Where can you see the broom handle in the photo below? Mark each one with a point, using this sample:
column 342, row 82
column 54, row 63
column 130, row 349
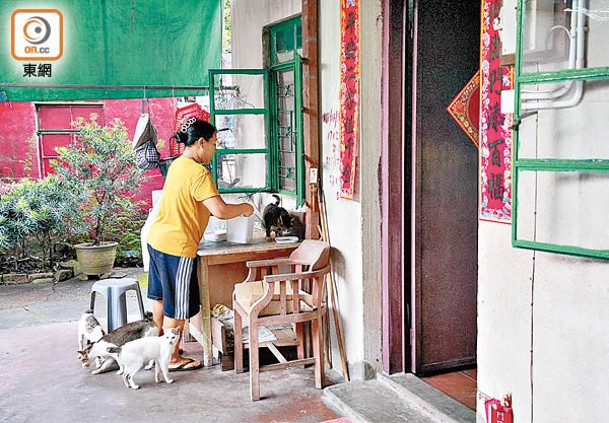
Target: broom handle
column 339, row 335
column 326, row 320
column 328, row 354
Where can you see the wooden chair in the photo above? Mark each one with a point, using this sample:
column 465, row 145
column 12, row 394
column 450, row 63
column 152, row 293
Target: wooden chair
column 269, row 298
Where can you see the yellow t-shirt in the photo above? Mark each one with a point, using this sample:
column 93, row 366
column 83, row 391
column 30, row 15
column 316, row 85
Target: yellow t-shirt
column 182, row 217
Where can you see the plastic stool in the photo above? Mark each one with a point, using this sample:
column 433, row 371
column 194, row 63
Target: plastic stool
column 114, row 291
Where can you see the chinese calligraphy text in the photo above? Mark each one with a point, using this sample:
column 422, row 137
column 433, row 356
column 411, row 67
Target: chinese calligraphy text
column 495, row 127
column 349, row 95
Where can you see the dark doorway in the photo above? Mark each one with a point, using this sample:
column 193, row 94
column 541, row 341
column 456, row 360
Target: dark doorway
column 429, row 171
column 442, row 281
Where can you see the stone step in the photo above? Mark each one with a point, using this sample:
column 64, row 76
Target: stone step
column 396, row 398
column 371, row 401
column 425, row 397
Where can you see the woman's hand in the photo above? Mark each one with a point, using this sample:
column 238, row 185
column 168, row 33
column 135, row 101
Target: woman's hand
column 222, row 210
column 248, row 209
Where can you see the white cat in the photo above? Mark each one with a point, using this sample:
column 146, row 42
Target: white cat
column 98, row 351
column 134, row 354
column 89, row 329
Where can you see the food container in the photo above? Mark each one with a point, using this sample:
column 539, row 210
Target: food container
column 215, row 236
column 240, row 229
column 216, row 230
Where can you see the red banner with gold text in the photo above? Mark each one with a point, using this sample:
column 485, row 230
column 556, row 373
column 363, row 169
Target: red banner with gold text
column 495, row 127
column 349, row 95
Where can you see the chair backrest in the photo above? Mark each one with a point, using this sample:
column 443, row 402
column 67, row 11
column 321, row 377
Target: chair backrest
column 312, row 253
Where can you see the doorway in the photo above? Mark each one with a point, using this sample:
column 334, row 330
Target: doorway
column 432, row 50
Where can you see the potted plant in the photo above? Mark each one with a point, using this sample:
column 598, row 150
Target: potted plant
column 101, row 163
column 35, row 216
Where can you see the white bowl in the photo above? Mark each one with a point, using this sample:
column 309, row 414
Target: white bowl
column 215, row 236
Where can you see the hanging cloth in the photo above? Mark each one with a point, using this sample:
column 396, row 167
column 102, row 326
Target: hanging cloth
column 144, row 143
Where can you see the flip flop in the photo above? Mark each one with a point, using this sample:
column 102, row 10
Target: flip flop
column 187, row 364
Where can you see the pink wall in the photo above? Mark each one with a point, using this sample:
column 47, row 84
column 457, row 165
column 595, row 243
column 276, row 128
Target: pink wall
column 162, row 112
column 18, row 122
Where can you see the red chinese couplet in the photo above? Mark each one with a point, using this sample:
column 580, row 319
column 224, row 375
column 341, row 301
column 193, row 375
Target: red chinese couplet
column 349, row 94
column 495, row 127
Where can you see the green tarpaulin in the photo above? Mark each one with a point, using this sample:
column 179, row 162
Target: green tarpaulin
column 165, row 45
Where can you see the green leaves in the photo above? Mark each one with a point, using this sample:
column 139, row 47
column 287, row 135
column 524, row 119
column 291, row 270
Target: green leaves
column 101, row 163
column 91, row 195
column 46, row 208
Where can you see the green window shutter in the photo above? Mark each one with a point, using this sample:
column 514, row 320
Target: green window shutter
column 239, row 103
column 300, row 164
column 561, row 157
column 285, row 40
column 263, row 148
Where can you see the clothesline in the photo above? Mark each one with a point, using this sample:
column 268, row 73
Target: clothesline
column 108, row 87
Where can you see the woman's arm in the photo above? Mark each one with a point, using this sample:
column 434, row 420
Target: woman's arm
column 221, row 210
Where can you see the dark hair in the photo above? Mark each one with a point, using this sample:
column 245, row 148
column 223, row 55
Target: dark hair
column 198, row 129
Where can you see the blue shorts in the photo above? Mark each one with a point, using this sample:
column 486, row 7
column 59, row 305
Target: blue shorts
column 173, row 280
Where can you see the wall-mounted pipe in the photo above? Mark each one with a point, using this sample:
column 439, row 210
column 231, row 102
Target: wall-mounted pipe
column 551, row 99
column 562, row 89
column 546, row 95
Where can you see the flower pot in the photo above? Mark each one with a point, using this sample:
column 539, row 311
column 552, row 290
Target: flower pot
column 96, row 259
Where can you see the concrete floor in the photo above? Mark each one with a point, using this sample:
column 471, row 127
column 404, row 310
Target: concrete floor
column 42, row 380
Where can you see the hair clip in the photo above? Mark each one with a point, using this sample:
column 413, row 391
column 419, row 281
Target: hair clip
column 187, row 124
column 223, row 129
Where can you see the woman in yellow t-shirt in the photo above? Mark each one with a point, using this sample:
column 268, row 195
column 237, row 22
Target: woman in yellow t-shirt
column 189, row 198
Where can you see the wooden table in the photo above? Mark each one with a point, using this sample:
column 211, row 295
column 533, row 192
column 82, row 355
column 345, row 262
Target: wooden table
column 221, row 266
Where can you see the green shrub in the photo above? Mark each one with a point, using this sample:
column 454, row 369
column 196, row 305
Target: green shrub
column 42, row 211
column 127, row 232
column 101, row 163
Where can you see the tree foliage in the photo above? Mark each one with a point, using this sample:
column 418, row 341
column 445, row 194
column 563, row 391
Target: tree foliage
column 45, row 210
column 101, row 163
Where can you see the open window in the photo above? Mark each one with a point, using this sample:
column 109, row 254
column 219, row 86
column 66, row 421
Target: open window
column 239, row 109
column 283, row 61
column 261, row 110
column 561, row 147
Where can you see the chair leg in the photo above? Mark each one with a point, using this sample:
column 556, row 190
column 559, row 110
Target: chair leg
column 238, row 343
column 254, row 363
column 112, row 312
column 318, row 352
column 140, row 302
column 92, row 304
column 300, row 348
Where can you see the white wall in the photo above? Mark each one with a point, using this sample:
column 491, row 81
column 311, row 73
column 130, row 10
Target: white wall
column 354, row 224
column 249, row 17
column 542, row 318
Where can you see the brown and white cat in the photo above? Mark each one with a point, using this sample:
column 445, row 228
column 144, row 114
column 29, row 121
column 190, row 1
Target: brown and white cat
column 98, row 351
column 134, row 354
column 89, row 329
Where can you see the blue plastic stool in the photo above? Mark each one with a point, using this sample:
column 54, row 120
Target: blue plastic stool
column 114, row 291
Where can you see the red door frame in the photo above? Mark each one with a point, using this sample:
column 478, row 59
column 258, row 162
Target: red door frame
column 395, row 226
